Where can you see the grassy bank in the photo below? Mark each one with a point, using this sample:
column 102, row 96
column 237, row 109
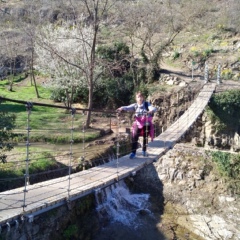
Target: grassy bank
column 48, row 124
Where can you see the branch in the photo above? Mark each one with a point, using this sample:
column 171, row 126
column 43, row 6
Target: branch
column 48, row 48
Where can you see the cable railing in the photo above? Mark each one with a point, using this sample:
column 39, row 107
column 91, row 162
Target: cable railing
column 76, row 151
column 67, row 127
column 60, row 136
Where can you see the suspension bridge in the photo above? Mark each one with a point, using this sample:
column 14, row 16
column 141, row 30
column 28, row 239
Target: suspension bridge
column 26, row 202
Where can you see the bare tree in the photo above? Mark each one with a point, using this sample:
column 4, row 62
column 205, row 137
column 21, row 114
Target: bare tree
column 28, row 29
column 14, row 60
column 18, row 40
column 151, row 26
column 69, row 48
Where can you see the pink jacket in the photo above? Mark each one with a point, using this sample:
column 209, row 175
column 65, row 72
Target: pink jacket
column 143, row 121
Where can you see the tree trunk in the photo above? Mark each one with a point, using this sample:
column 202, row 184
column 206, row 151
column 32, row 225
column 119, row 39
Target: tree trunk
column 90, row 103
column 33, row 77
column 92, row 66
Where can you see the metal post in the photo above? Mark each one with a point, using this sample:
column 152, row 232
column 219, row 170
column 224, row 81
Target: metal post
column 219, row 74
column 165, row 102
column 147, row 132
column 178, row 109
column 73, row 111
column 189, row 96
column 118, row 145
column 206, row 73
column 193, row 63
column 83, row 157
column 26, row 175
column 110, row 122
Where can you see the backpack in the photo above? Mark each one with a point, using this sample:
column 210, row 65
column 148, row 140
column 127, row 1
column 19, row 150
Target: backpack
column 146, row 106
column 151, row 132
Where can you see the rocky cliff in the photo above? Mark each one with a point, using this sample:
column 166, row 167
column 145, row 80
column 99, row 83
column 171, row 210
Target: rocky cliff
column 197, row 203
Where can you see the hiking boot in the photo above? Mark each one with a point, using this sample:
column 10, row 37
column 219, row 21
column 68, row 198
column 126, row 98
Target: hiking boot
column 144, row 153
column 132, row 155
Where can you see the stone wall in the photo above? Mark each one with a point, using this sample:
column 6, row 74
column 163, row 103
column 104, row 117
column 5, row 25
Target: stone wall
column 77, row 219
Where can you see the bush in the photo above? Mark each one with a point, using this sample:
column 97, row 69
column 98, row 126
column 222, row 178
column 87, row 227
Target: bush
column 229, row 167
column 70, row 232
column 226, row 106
column 7, row 124
column 176, row 55
column 226, row 74
column 223, row 162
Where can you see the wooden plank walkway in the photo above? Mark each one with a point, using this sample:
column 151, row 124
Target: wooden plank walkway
column 47, row 195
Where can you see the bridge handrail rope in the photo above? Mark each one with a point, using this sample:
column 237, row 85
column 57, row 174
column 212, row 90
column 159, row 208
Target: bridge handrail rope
column 28, row 145
column 57, row 106
column 194, row 110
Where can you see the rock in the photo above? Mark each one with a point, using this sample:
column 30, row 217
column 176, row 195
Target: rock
column 170, row 82
column 182, row 84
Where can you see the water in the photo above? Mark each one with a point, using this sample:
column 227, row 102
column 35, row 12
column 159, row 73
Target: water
column 124, row 215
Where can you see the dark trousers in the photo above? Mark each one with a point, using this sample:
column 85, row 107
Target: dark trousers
column 136, row 132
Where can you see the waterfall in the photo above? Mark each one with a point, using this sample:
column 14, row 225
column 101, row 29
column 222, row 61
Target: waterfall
column 115, row 203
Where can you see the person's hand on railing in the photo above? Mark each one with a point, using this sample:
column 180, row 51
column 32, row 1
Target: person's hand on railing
column 119, row 109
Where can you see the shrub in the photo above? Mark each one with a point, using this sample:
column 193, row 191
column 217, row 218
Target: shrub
column 226, row 106
column 207, row 52
column 223, row 162
column 227, row 73
column 176, row 55
column 70, row 232
column 7, row 124
column 229, row 167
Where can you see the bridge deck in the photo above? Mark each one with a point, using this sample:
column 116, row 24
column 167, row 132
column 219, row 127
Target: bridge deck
column 46, row 195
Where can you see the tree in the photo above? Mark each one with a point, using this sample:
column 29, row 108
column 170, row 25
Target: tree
column 13, row 61
column 117, row 77
column 69, row 49
column 151, row 27
column 7, row 123
column 16, row 44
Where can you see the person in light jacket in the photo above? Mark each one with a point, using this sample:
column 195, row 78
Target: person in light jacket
column 142, row 125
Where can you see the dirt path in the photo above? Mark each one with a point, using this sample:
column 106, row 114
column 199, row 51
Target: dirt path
column 184, row 74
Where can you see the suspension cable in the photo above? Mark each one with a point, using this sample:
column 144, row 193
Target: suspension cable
column 56, row 106
column 83, row 141
column 118, row 145
column 73, row 111
column 29, row 108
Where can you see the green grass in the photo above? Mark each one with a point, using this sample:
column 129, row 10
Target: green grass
column 41, row 124
column 13, row 171
column 24, row 91
column 47, row 124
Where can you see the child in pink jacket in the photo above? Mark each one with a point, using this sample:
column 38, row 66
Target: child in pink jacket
column 142, row 125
